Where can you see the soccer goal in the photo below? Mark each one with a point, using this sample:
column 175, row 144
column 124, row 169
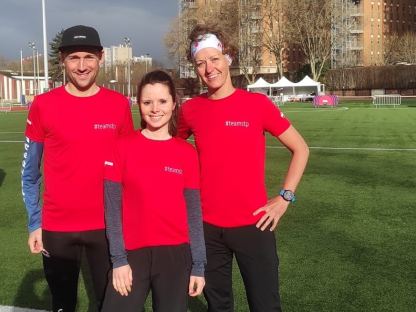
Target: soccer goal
column 5, row 107
column 387, row 99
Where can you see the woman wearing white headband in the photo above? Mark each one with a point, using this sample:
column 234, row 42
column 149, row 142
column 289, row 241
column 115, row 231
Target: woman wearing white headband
column 228, row 125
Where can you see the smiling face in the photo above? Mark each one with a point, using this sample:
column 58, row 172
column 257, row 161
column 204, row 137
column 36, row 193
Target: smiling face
column 82, row 68
column 156, row 107
column 213, row 68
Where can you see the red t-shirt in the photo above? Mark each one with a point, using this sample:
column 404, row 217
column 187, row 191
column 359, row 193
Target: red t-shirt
column 229, row 136
column 154, row 175
column 77, row 133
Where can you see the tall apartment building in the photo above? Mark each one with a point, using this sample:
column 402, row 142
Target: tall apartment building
column 361, row 29
column 117, row 55
column 252, row 52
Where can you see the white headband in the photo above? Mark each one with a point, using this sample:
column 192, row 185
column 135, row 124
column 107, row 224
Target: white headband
column 207, row 41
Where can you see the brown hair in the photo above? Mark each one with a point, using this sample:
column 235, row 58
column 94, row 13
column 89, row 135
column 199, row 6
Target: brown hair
column 159, row 76
column 201, row 29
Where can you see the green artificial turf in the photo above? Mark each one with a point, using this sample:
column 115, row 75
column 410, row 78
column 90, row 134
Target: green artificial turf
column 347, row 244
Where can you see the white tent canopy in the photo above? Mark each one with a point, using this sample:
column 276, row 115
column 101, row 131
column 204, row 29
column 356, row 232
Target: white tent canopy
column 308, row 85
column 261, row 84
column 285, row 87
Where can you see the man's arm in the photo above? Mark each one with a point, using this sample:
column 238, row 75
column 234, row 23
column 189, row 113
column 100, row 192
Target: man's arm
column 31, row 180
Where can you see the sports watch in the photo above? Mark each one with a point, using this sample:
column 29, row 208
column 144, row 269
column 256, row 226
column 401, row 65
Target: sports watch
column 288, row 195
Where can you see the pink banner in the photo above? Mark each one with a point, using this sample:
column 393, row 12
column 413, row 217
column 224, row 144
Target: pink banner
column 321, row 100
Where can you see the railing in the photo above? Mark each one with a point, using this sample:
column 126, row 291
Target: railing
column 387, row 99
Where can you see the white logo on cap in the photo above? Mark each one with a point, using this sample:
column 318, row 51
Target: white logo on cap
column 80, row 37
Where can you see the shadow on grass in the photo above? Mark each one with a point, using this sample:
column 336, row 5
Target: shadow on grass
column 26, row 294
column 2, row 176
column 197, row 305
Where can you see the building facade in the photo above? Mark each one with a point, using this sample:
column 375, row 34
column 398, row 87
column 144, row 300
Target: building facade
column 117, row 55
column 13, row 86
column 361, row 29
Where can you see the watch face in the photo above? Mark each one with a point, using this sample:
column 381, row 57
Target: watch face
column 288, row 195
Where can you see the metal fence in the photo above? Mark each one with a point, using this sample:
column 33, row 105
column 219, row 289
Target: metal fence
column 387, row 99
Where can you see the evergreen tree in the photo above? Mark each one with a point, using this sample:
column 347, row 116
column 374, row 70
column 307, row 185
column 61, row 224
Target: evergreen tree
column 54, row 60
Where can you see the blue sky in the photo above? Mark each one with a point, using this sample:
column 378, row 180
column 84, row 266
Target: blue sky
column 145, row 22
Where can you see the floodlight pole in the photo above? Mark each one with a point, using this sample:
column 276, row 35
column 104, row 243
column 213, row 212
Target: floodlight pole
column 22, row 88
column 33, row 47
column 127, row 42
column 45, row 48
column 37, row 71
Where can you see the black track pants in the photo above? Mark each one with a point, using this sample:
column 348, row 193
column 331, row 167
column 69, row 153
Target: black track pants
column 256, row 255
column 165, row 270
column 62, row 261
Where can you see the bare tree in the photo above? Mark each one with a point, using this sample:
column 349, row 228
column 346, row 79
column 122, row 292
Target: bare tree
column 400, row 48
column 3, row 62
column 310, row 27
column 274, row 32
column 213, row 12
column 249, row 39
column 176, row 42
column 249, row 58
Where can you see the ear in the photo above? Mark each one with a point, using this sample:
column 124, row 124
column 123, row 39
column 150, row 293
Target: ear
column 229, row 59
column 62, row 58
column 102, row 57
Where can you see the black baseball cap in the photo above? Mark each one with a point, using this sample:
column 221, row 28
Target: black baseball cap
column 80, row 36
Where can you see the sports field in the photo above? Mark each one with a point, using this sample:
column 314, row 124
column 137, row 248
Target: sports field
column 347, row 244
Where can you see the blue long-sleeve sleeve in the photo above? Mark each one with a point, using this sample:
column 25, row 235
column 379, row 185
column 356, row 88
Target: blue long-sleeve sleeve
column 31, row 179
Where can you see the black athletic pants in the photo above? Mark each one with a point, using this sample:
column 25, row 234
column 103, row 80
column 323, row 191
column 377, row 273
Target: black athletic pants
column 256, row 255
column 163, row 269
column 62, row 261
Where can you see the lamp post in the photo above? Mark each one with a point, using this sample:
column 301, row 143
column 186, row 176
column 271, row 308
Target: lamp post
column 37, row 72
column 146, row 60
column 45, row 47
column 113, row 82
column 128, row 45
column 33, row 47
column 22, row 86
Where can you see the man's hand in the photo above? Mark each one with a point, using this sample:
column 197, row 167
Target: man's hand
column 35, row 241
column 196, row 285
column 123, row 279
column 273, row 211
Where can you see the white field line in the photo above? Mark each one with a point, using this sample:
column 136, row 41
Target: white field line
column 5, row 132
column 15, row 309
column 314, row 110
column 376, row 149
column 338, row 109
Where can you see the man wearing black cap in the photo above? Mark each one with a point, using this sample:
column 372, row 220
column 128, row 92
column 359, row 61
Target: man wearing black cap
column 73, row 127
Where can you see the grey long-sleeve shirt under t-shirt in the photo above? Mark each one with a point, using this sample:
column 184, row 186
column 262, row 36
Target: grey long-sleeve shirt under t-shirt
column 112, row 202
